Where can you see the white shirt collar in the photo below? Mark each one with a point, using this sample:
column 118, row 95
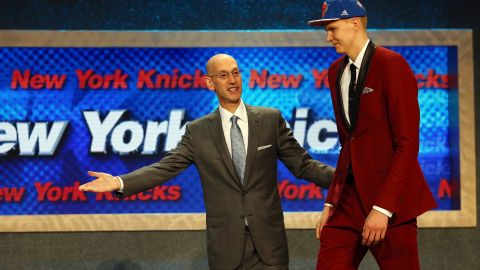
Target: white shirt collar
column 240, row 112
column 359, row 59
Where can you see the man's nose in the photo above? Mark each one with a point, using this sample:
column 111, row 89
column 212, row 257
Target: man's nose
column 329, row 36
column 231, row 78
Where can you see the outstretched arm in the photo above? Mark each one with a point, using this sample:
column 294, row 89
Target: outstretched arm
column 297, row 159
column 171, row 165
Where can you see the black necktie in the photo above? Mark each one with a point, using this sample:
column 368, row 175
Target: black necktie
column 351, row 92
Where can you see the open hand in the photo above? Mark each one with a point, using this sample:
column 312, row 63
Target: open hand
column 104, row 182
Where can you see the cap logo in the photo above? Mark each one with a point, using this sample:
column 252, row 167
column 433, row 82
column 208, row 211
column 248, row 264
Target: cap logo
column 324, row 9
column 359, row 4
column 344, row 13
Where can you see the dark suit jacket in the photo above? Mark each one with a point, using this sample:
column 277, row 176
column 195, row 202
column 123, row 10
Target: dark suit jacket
column 382, row 142
column 227, row 202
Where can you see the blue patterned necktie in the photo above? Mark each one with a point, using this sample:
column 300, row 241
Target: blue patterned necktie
column 238, row 148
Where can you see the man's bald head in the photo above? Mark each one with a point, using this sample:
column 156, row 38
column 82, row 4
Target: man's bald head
column 213, row 62
column 223, row 77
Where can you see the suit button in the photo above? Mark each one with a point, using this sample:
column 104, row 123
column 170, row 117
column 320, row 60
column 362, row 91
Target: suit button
column 352, row 138
column 242, row 216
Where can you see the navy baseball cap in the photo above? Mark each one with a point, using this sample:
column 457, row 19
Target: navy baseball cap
column 333, row 10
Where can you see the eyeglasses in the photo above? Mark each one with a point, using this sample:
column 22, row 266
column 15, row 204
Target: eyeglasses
column 226, row 75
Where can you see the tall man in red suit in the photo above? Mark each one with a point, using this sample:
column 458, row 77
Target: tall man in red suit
column 378, row 188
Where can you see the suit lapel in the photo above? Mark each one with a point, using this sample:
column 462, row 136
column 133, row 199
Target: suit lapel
column 254, row 124
column 361, row 82
column 216, row 131
column 339, row 92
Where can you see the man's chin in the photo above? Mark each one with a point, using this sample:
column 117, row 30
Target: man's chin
column 234, row 100
column 339, row 50
column 233, row 97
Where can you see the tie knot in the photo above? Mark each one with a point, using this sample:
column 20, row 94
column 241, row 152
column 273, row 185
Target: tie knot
column 234, row 119
column 353, row 67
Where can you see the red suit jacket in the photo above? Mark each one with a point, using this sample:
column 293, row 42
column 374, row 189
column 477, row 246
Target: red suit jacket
column 382, row 142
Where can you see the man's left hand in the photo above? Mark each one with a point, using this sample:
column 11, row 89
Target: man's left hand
column 375, row 228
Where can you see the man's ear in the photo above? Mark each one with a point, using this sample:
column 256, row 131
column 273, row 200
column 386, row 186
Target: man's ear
column 356, row 23
column 209, row 83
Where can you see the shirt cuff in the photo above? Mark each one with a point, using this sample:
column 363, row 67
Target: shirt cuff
column 328, row 204
column 383, row 211
column 121, row 184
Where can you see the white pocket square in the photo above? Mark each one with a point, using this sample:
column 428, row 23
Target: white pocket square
column 263, row 147
column 367, row 90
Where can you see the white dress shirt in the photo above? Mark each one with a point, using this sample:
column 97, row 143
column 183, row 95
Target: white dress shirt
column 344, row 87
column 345, row 80
column 242, row 122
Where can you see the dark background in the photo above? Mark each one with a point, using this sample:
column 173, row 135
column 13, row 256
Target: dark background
column 451, row 248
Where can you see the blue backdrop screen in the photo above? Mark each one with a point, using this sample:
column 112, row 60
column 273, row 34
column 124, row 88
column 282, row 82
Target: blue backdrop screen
column 64, row 111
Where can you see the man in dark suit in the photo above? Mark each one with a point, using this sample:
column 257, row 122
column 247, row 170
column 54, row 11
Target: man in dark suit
column 378, row 188
column 235, row 151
